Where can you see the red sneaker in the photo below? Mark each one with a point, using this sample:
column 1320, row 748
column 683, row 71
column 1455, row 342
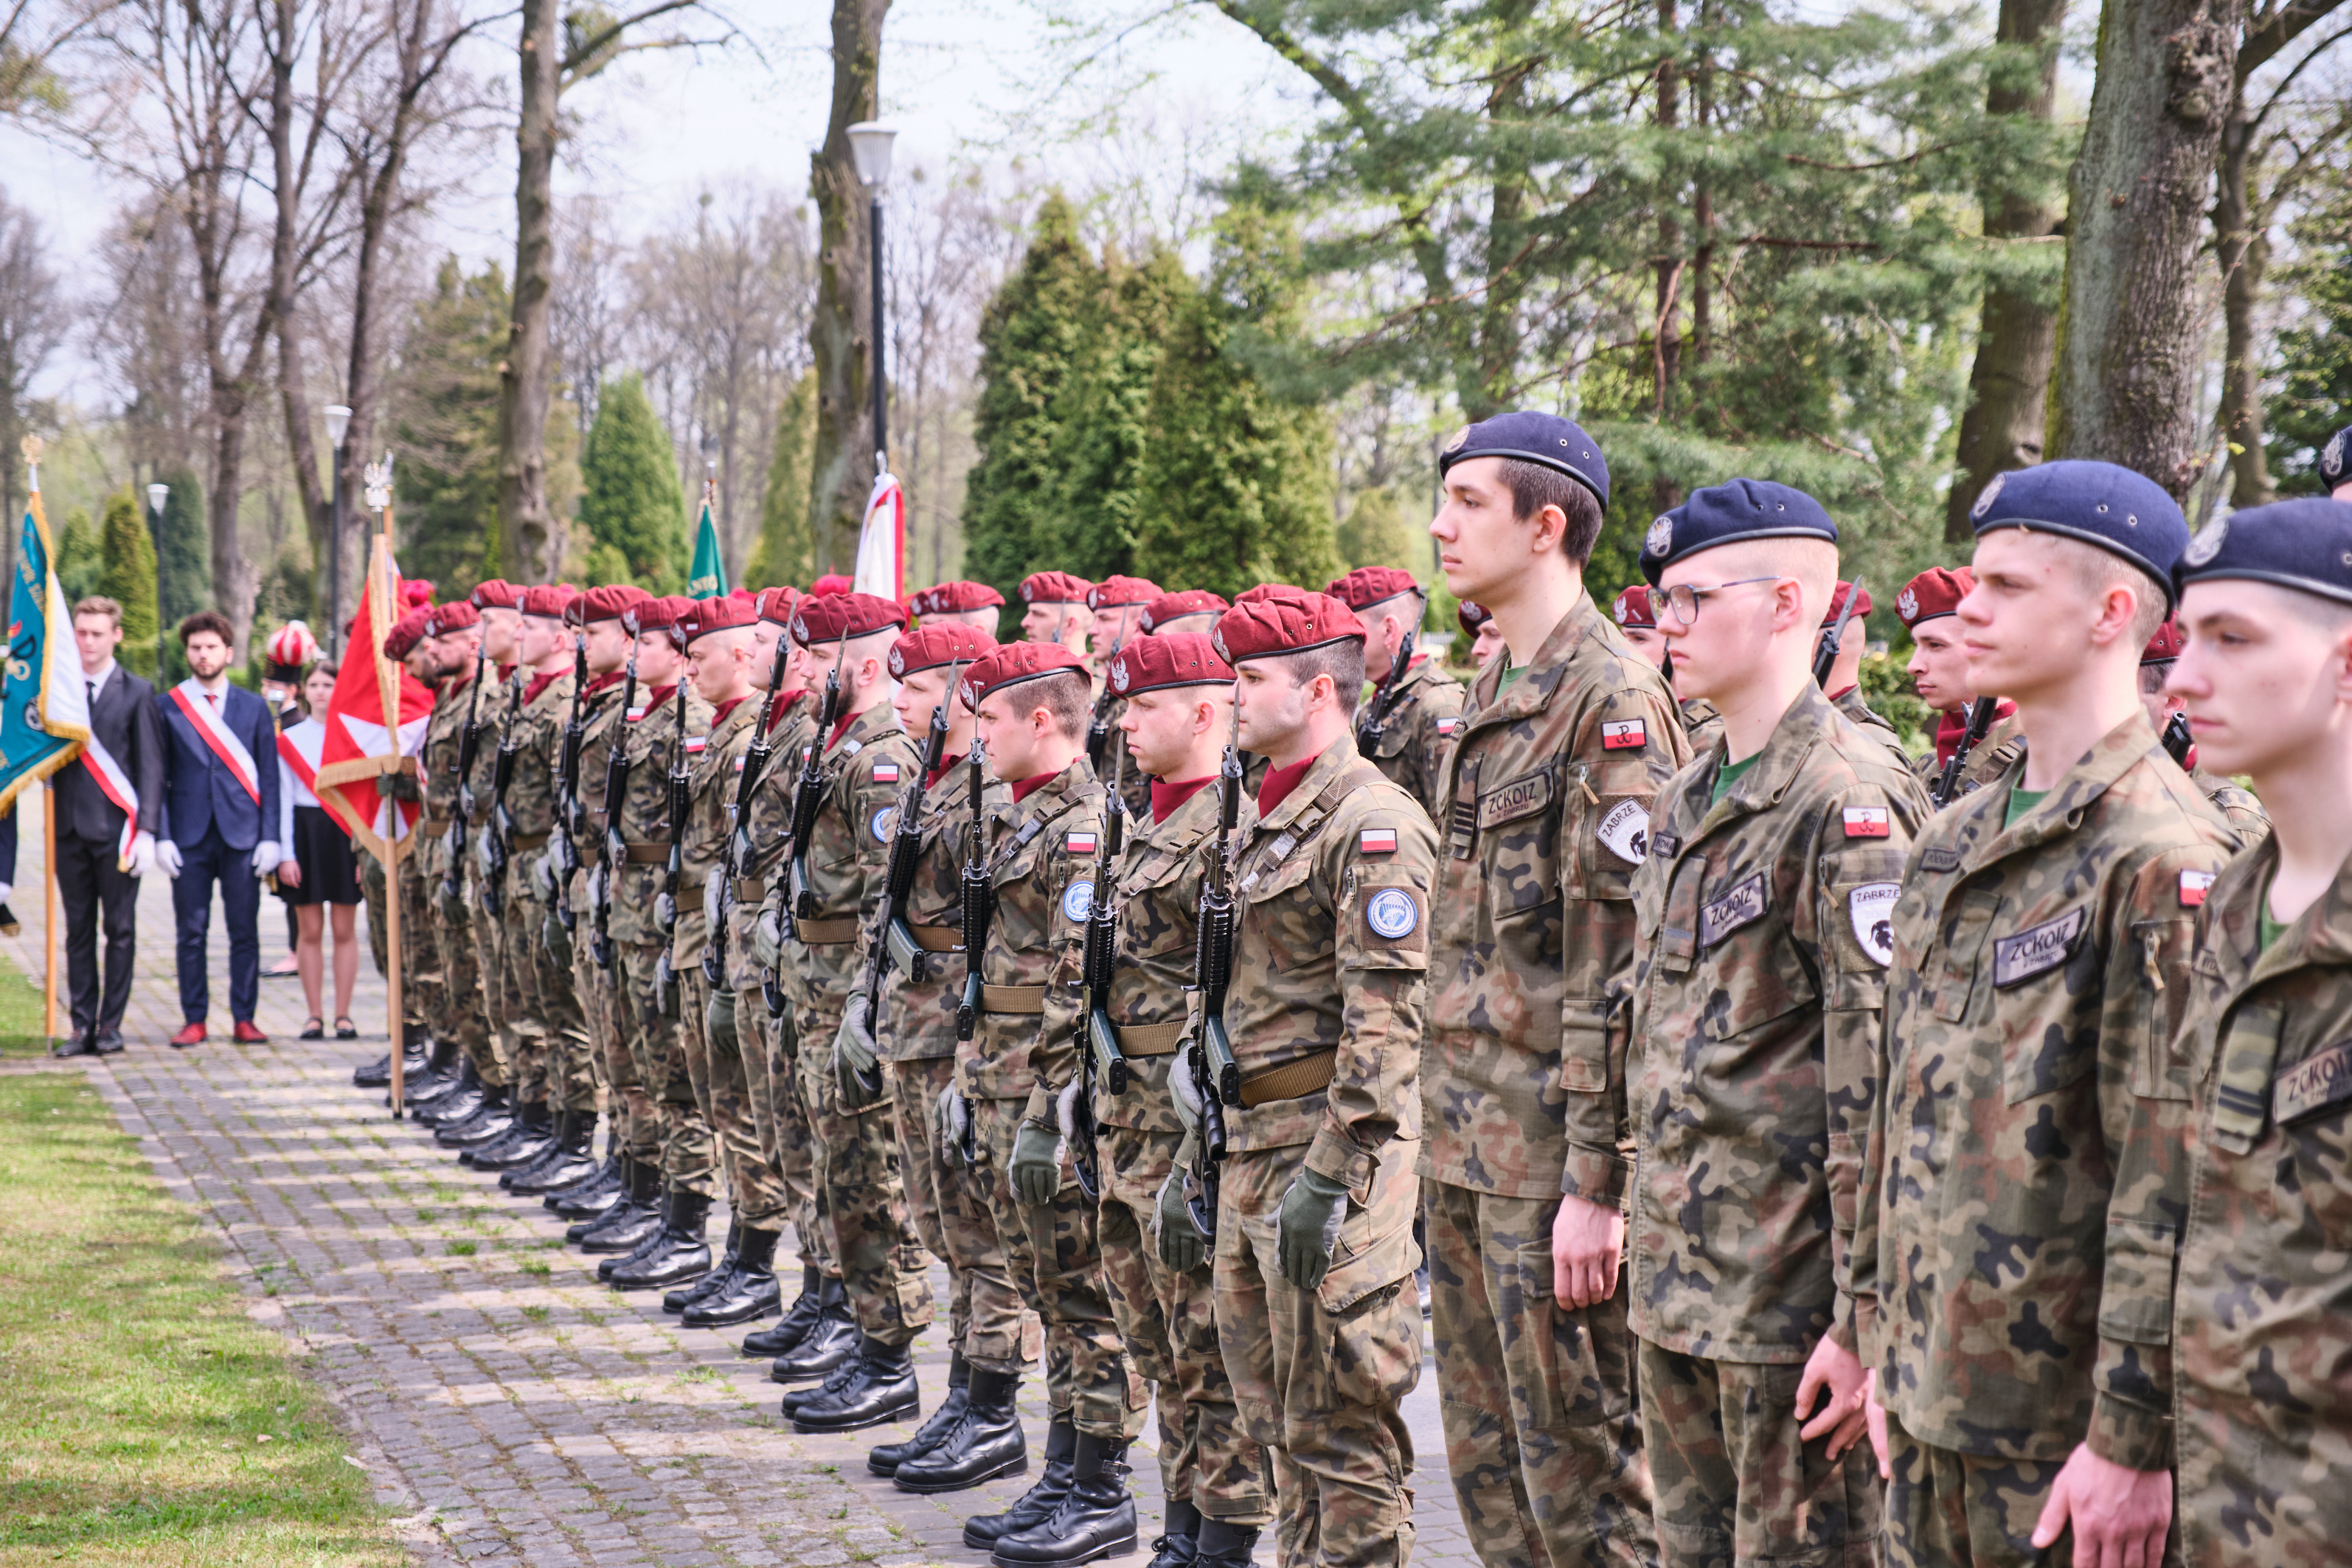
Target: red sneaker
column 248, row 1032
column 189, row 1034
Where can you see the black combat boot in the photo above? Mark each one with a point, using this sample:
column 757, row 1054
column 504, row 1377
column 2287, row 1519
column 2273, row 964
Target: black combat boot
column 628, row 1224
column 682, row 1254
column 1223, row 1545
column 797, row 1321
column 685, row 1296
column 600, row 1188
column 750, row 1290
column 445, row 1087
column 880, row 1387
column 1095, row 1519
column 830, row 1342
column 835, row 1382
column 986, row 1442
column 533, row 1135
column 1035, row 1506
column 568, row 1162
column 491, row 1119
column 1178, row 1542
column 435, row 1078
column 463, row 1097
column 886, row 1459
column 376, row 1074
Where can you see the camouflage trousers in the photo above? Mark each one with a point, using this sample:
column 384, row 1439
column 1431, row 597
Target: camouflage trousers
column 1319, row 1377
column 1737, row 1482
column 570, row 1081
column 689, row 1157
column 861, row 1197
column 461, row 973
column 1543, row 1425
column 1056, row 1264
column 770, row 1060
column 423, row 982
column 502, row 1000
column 724, row 1091
column 372, row 887
column 635, row 1128
column 1169, row 1322
column 986, row 1319
column 1946, row 1507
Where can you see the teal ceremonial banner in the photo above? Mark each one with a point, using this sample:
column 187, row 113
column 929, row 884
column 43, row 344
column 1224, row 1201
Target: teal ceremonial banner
column 708, row 577
column 43, row 709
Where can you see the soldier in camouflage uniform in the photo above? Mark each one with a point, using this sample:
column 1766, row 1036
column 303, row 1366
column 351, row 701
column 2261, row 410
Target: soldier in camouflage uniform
column 1420, row 724
column 1760, row 961
column 1939, row 673
column 2029, row 1145
column 456, row 637
column 1636, row 616
column 1188, row 610
column 655, row 729
column 1118, row 603
column 1844, row 687
column 831, row 881
column 1315, row 1252
column 1477, row 624
column 974, row 605
column 2237, row 805
column 1032, row 701
column 1178, row 696
column 2262, row 1412
column 1055, row 610
column 1569, row 734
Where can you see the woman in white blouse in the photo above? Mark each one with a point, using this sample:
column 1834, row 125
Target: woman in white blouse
column 320, row 873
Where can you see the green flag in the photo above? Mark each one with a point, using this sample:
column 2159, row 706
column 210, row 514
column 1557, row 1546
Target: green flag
column 708, row 579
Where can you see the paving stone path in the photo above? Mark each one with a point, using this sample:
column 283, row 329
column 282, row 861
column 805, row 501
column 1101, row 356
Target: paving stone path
column 511, row 1409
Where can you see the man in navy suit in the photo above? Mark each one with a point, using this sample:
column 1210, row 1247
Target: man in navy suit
column 220, row 803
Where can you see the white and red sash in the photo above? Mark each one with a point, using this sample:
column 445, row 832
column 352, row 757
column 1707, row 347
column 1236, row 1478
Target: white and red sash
column 194, row 705
column 304, row 768
column 115, row 786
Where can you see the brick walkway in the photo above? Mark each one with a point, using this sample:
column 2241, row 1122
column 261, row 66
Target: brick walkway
column 509, row 1408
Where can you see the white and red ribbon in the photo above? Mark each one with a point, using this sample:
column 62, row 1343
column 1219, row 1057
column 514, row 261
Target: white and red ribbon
column 194, row 702
column 115, row 785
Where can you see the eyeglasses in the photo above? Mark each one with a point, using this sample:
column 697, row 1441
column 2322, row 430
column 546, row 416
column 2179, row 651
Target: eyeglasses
column 1684, row 600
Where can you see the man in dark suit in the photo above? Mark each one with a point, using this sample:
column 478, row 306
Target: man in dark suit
column 220, row 806
column 108, row 802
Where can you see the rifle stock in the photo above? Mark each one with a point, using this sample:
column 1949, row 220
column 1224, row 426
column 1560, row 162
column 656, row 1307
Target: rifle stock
column 892, row 942
column 739, row 832
column 808, row 794
column 1215, row 1072
column 1375, row 723
column 1980, row 713
column 1825, row 657
column 611, row 853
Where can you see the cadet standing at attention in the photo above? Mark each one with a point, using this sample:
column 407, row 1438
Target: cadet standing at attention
column 1314, row 1254
column 1192, row 610
column 1118, row 603
column 1056, row 610
column 1844, row 687
column 456, row 633
column 1759, row 964
column 2238, row 806
column 1939, row 674
column 1636, row 616
column 496, row 603
column 1568, row 735
column 2029, row 1140
column 1415, row 722
column 2261, row 1411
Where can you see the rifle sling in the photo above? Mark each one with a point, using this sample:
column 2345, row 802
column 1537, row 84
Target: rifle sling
column 1291, row 1080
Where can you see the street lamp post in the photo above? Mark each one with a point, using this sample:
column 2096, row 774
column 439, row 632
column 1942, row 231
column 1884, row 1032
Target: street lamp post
column 338, row 423
column 869, row 145
column 156, row 496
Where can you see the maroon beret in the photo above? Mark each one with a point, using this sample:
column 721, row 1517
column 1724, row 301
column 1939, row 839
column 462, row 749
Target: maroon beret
column 1935, row 591
column 1175, row 606
column 948, row 642
column 716, row 616
column 1009, row 663
column 1368, row 585
column 832, row 582
column 956, row 599
column 1473, row 616
column 1837, row 602
column 836, row 617
column 606, row 603
column 1632, row 607
column 1119, row 592
column 444, row 619
column 498, row 594
column 2165, row 645
column 405, row 634
column 776, row 605
column 652, row 614
column 1283, row 620
column 1178, row 658
column 417, row 593
column 548, row 599
column 1054, row 588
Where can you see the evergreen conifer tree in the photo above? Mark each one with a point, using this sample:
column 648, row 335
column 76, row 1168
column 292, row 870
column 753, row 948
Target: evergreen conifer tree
column 445, row 429
column 80, row 560
column 631, row 503
column 784, row 552
column 2314, row 355
column 128, row 575
column 184, row 563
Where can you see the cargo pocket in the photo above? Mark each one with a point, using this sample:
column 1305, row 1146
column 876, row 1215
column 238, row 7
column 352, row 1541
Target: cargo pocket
column 1570, row 1368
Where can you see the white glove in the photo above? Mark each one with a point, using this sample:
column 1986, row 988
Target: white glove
column 142, row 853
column 1184, row 1092
column 264, row 858
column 6, row 889
column 167, row 855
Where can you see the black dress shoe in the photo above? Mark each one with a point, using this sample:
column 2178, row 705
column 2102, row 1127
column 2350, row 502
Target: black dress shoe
column 751, row 1289
column 1095, row 1519
column 109, row 1043
column 830, row 1342
column 886, row 1459
column 1035, row 1506
column 682, row 1253
column 74, row 1046
column 797, row 1321
column 685, row 1296
column 1179, row 1542
column 881, row 1388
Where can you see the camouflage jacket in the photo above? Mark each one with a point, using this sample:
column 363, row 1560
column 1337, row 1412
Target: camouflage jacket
column 2238, row 805
column 530, row 793
column 2264, row 1413
column 791, row 730
column 2028, row 1147
column 919, row 1017
column 1702, row 724
column 1874, row 727
column 714, row 764
column 1549, row 784
column 1989, row 758
column 644, row 824
column 1119, row 770
column 600, row 722
column 1411, row 749
column 500, row 702
column 444, row 733
column 864, row 769
column 1760, row 964
column 1331, row 957
column 1040, row 860
column 1159, row 903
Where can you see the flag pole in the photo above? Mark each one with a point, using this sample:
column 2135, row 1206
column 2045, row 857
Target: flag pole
column 49, row 910
column 388, row 683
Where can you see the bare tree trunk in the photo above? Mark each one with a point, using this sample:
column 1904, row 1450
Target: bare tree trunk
column 2242, row 247
column 840, row 333
column 2017, row 335
column 283, row 246
column 2129, row 350
column 527, row 548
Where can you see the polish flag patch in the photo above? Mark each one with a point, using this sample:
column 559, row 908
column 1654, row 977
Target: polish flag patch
column 1447, row 726
column 697, row 742
column 1080, row 844
column 1377, row 841
column 886, row 773
column 1866, row 822
column 740, row 762
column 1624, row 735
column 2194, row 885
column 635, row 714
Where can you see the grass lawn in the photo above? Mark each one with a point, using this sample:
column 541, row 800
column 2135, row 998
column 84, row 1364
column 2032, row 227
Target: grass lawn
column 144, row 1419
column 20, row 1012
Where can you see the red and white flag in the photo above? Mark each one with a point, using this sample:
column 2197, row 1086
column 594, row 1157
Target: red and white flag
column 377, row 717
column 882, row 542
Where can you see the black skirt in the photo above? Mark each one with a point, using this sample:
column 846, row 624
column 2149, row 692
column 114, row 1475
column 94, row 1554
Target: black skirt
column 331, row 872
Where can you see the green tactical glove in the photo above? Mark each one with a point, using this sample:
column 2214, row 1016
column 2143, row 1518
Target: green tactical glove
column 1036, row 1169
column 768, row 936
column 1306, row 1227
column 954, row 1124
column 556, row 940
column 718, row 1021
column 1181, row 1246
column 857, row 1062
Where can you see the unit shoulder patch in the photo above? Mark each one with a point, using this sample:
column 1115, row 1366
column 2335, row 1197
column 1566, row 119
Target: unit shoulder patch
column 1624, row 734
column 1624, row 831
column 1868, row 822
column 1871, row 908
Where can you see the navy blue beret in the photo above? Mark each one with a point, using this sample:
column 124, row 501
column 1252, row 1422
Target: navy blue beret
column 2304, row 543
column 2123, row 512
column 1533, row 438
column 1727, row 514
column 2336, row 459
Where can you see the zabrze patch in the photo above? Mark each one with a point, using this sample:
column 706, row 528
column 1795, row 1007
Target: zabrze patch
column 1078, row 900
column 1624, row 831
column 1624, row 734
column 2194, row 885
column 1871, row 907
column 2038, row 950
column 1744, row 905
column 1392, row 913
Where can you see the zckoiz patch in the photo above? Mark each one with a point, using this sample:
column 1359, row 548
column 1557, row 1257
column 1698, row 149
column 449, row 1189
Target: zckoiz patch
column 1871, row 907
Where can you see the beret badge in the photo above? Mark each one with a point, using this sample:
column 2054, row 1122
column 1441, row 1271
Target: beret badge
column 1990, row 494
column 1119, row 675
column 2208, row 543
column 1661, row 537
column 897, row 664
column 1906, row 604
column 800, row 627
column 2331, row 458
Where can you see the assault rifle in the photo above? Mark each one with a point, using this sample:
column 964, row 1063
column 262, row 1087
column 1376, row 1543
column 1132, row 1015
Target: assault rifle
column 1100, row 1057
column 892, row 941
column 565, row 851
column 1215, row 1073
column 469, row 741
column 1375, row 722
column 977, row 900
column 1980, row 720
column 1825, row 659
column 808, row 794
column 739, row 835
column 494, row 848
column 665, row 902
column 2176, row 740
column 614, row 853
